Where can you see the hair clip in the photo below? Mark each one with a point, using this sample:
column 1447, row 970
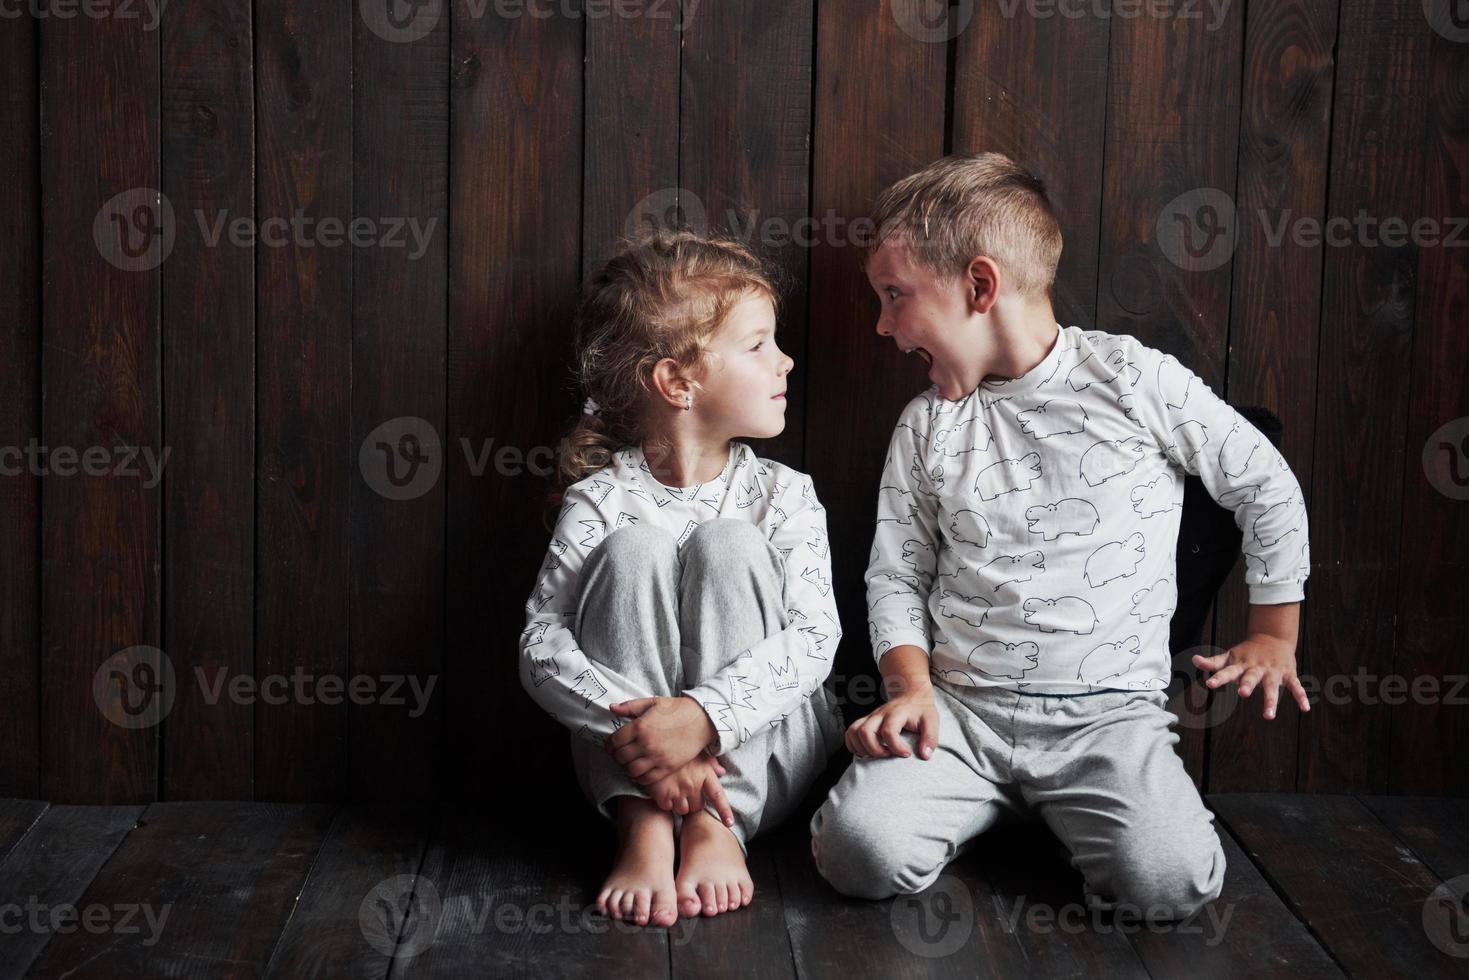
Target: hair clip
column 590, row 407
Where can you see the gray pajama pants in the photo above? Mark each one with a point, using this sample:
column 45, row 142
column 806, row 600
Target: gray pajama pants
column 1099, row 769
column 666, row 620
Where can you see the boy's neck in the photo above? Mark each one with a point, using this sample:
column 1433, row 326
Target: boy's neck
column 1022, row 341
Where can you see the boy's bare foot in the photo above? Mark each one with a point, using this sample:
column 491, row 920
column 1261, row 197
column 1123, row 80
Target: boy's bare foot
column 640, row 886
column 712, row 876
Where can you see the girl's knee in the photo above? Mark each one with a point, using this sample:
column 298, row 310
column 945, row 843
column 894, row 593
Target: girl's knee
column 723, row 540
column 638, row 546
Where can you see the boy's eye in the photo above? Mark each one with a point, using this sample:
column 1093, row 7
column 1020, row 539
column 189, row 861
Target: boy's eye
column 892, row 293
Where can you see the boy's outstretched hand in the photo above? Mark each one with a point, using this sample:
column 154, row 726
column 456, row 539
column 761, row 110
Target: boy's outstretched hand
column 688, row 788
column 1260, row 659
column 663, row 735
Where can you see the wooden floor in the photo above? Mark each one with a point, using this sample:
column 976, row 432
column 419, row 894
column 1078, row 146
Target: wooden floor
column 1317, row 886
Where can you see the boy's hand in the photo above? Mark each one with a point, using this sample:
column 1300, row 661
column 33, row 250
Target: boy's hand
column 686, row 789
column 1258, row 659
column 665, row 734
column 877, row 735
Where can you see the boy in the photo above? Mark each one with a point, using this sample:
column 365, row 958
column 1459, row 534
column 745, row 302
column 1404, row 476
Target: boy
column 1022, row 574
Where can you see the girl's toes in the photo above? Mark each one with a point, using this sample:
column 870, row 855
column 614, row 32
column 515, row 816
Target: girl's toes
column 706, row 898
column 688, row 901
column 629, row 899
column 640, row 908
column 721, row 895
column 663, row 911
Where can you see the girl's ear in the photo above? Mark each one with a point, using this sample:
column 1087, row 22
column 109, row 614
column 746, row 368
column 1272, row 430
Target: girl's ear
column 672, row 387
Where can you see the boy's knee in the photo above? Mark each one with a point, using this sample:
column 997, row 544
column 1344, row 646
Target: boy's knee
column 862, row 860
column 1166, row 876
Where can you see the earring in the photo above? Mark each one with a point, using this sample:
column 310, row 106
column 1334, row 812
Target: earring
column 688, row 402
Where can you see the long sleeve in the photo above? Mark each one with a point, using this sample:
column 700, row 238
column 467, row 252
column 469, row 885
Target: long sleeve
column 905, row 545
column 564, row 681
column 765, row 682
column 1241, row 469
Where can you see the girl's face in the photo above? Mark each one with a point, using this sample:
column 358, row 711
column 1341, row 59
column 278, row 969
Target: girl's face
column 744, row 387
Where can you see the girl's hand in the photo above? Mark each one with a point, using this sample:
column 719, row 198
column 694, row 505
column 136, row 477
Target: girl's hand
column 689, row 787
column 664, row 735
column 1258, row 659
column 877, row 735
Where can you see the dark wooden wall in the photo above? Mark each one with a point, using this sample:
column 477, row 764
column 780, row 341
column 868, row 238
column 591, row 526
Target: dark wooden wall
column 533, row 143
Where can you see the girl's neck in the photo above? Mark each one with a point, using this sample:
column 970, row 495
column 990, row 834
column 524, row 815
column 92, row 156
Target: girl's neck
column 686, row 460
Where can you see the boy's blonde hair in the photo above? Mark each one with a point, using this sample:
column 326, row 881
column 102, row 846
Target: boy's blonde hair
column 963, row 206
column 663, row 295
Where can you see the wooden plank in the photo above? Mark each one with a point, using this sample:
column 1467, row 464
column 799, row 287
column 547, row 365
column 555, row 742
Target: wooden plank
column 225, row 875
column 1363, row 383
column 1431, row 564
column 17, row 817
column 1035, row 89
column 1039, row 897
column 954, row 928
column 366, row 853
column 631, row 127
column 750, row 942
column 20, row 345
column 106, row 235
column 1246, row 932
column 1435, row 827
column 869, row 133
column 513, row 279
column 208, row 332
column 1275, row 319
column 306, row 459
column 20, row 415
column 1358, row 889
column 498, row 911
column 745, row 156
column 396, row 600
column 48, row 870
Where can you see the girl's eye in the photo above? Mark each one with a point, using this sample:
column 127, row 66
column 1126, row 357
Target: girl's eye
column 758, row 346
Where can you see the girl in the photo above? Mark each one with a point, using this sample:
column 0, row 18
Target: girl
column 683, row 623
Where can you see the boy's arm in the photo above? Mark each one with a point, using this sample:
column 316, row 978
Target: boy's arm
column 1246, row 474
column 905, row 547
column 564, row 681
column 771, row 678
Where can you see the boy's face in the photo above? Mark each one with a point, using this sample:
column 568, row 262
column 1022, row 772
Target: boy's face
column 744, row 387
column 926, row 315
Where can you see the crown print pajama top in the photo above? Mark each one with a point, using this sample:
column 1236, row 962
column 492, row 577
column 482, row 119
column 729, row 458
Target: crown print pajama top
column 1026, row 533
column 759, row 685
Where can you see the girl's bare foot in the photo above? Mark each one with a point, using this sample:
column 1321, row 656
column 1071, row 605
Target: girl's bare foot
column 640, row 886
column 712, row 876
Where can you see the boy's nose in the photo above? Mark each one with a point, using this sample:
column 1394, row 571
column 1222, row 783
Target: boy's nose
column 883, row 329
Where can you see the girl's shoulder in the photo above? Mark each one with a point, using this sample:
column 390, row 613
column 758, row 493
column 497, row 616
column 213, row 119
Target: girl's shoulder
column 776, row 476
